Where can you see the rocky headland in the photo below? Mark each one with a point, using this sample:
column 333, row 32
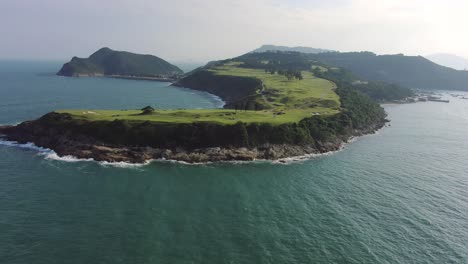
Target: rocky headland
column 84, row 146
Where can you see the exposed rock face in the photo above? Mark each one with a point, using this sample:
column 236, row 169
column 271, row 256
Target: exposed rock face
column 85, row 147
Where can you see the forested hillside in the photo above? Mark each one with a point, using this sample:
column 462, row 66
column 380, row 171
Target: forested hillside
column 410, row 71
column 110, row 62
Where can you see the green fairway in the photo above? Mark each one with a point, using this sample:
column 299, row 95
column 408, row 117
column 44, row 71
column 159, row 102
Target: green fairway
column 220, row 116
column 281, row 93
column 287, row 101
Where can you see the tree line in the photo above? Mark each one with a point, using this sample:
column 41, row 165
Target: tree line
column 290, row 74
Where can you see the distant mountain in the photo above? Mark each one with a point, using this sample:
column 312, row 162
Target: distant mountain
column 266, row 48
column 121, row 63
column 409, row 71
column 449, row 60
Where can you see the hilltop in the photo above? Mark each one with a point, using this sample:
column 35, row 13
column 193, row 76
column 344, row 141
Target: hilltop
column 266, row 48
column 108, row 62
column 270, row 69
column 414, row 72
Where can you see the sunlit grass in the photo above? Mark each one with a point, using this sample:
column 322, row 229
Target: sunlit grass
column 221, row 116
column 280, row 92
column 289, row 101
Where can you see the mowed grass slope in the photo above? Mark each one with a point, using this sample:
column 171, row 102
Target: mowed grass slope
column 289, row 101
column 281, row 93
column 219, row 116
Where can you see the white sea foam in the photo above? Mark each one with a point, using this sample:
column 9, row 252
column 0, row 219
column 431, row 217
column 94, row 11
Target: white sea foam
column 68, row 158
column 25, row 146
column 306, row 157
column 122, row 164
column 297, row 159
column 52, row 155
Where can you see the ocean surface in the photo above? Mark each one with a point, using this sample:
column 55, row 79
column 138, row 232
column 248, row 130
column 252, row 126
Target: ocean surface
column 399, row 196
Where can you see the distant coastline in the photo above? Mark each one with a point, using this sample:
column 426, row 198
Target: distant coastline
column 128, row 77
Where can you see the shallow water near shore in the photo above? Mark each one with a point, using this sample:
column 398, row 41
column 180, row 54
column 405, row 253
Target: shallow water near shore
column 399, row 196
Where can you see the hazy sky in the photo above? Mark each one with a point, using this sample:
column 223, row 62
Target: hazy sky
column 202, row 30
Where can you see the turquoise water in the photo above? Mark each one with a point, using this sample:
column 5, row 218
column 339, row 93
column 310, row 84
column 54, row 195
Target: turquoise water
column 400, row 196
column 29, row 90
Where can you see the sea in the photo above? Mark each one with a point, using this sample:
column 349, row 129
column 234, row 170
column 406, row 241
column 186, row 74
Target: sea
column 398, row 196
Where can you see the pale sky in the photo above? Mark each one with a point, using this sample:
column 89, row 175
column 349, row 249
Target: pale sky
column 203, row 30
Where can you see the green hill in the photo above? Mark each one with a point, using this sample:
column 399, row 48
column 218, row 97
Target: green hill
column 410, row 71
column 278, row 104
column 271, row 98
column 119, row 63
column 257, row 81
column 252, row 95
column 280, row 98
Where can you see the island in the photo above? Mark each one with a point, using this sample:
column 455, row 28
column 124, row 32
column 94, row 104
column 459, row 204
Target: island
column 121, row 64
column 277, row 105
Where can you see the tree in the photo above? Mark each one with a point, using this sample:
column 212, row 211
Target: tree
column 147, row 110
column 257, row 106
column 298, row 75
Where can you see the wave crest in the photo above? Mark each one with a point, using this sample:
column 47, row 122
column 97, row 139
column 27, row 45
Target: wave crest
column 52, row 155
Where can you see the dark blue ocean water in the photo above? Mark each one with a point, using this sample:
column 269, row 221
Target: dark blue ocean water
column 400, row 196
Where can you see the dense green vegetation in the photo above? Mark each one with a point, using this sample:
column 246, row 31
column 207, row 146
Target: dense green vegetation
column 414, row 72
column 229, row 88
column 360, row 112
column 278, row 91
column 253, row 95
column 267, row 102
column 218, row 116
column 265, row 81
column 358, row 107
column 408, row 71
column 109, row 62
column 382, row 92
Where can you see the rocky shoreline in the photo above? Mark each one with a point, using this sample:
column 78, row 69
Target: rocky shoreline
column 83, row 147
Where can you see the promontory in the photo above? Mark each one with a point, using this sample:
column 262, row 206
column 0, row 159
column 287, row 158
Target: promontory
column 277, row 105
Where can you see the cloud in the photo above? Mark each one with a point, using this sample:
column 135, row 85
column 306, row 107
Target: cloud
column 215, row 29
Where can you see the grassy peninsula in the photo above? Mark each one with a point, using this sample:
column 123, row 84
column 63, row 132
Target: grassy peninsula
column 277, row 105
column 276, row 100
